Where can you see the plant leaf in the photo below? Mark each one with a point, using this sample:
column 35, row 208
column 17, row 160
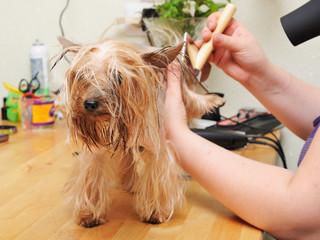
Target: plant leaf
column 176, row 8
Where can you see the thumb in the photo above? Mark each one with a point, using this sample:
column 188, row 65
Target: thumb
column 225, row 41
column 174, row 79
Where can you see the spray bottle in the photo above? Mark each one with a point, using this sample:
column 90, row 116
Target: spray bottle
column 39, row 64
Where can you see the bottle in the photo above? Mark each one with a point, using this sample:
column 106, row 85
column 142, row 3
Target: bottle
column 39, row 65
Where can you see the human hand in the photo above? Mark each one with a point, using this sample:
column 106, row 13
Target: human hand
column 174, row 109
column 237, row 52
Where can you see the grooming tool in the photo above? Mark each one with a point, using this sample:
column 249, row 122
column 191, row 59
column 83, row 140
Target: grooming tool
column 207, row 47
column 199, row 86
column 184, row 47
column 226, row 138
column 261, row 123
column 303, row 23
column 32, row 86
column 192, row 52
column 29, row 88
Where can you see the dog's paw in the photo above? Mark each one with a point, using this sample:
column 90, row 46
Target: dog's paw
column 89, row 221
column 153, row 221
column 213, row 101
column 155, row 218
column 197, row 105
column 89, row 224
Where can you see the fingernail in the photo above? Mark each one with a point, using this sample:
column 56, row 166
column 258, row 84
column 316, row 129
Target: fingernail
column 210, row 25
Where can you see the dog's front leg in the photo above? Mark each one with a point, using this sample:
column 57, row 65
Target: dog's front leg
column 160, row 185
column 88, row 188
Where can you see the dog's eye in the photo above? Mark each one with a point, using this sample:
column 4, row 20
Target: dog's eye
column 117, row 76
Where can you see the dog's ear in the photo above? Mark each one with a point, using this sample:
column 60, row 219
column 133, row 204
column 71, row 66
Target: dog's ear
column 162, row 57
column 68, row 46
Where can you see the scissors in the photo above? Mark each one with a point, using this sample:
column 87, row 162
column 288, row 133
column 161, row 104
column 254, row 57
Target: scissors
column 29, row 87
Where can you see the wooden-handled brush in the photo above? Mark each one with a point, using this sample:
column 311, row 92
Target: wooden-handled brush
column 207, row 48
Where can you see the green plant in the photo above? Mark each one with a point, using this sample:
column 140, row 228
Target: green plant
column 180, row 9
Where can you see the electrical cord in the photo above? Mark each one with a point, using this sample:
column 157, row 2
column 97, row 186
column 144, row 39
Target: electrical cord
column 275, row 147
column 60, row 23
column 277, row 141
column 61, row 15
column 57, row 92
column 254, row 139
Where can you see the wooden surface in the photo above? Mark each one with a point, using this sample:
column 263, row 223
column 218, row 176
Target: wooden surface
column 34, row 166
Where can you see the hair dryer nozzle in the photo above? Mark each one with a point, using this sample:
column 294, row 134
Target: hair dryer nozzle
column 303, row 23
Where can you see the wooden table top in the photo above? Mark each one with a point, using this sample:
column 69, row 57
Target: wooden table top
column 34, row 166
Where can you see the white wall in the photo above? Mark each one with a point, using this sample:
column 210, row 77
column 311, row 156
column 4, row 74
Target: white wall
column 21, row 22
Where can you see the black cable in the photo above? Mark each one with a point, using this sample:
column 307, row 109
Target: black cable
column 274, row 147
column 60, row 24
column 277, row 142
column 61, row 15
column 278, row 148
column 57, row 92
column 280, row 151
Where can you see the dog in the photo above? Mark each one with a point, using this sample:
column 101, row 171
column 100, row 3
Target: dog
column 114, row 98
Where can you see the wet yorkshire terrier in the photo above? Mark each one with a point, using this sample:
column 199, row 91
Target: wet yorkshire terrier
column 114, row 94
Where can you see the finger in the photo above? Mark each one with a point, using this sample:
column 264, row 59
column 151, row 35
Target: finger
column 212, row 20
column 174, row 72
column 225, row 41
column 198, row 43
column 205, row 72
column 212, row 57
column 173, row 92
column 174, row 80
column 206, row 34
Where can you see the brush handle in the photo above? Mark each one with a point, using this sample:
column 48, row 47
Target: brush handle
column 192, row 52
column 207, row 48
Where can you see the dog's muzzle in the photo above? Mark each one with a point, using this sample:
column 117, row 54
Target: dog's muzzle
column 91, row 105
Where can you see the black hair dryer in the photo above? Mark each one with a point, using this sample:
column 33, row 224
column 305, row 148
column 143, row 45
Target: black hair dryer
column 303, row 23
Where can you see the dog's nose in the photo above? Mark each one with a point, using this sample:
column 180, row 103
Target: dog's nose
column 91, row 105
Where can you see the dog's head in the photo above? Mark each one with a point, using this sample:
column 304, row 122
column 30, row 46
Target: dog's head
column 111, row 89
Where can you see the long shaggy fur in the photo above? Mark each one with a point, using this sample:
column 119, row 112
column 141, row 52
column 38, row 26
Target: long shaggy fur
column 114, row 94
